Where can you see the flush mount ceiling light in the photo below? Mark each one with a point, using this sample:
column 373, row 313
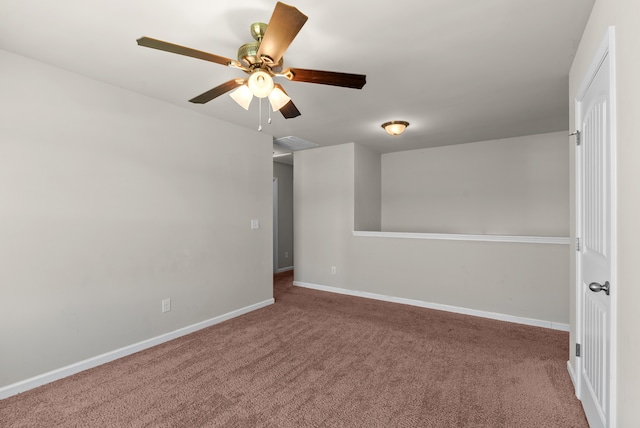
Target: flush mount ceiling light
column 395, row 127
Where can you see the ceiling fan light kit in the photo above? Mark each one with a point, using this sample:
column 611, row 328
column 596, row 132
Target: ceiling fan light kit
column 260, row 83
column 278, row 98
column 263, row 60
column 395, row 127
column 242, row 96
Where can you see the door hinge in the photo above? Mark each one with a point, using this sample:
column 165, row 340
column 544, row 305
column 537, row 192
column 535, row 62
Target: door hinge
column 577, row 349
column 577, row 244
column 577, row 134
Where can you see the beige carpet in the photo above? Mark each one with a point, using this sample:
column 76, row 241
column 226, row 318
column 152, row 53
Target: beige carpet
column 321, row 360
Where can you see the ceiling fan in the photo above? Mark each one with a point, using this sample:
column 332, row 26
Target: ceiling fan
column 262, row 60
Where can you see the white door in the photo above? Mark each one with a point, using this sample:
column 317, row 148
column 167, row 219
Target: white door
column 595, row 258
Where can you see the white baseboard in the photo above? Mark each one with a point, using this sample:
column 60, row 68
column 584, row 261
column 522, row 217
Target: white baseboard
column 284, row 269
column 574, row 378
column 438, row 306
column 27, row 384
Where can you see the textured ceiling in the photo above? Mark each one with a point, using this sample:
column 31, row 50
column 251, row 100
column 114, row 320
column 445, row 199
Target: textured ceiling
column 457, row 70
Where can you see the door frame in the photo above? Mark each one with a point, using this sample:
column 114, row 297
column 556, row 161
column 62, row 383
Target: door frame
column 276, row 262
column 606, row 51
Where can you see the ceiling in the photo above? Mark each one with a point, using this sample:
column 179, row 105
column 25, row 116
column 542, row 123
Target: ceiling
column 458, row 70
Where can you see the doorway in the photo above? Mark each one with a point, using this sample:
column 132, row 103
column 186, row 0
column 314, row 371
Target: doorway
column 283, row 241
column 275, row 225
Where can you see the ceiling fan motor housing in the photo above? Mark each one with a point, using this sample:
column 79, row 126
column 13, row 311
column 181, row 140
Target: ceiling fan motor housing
column 248, row 53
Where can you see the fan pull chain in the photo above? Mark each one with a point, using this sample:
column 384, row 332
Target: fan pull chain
column 269, row 120
column 260, row 114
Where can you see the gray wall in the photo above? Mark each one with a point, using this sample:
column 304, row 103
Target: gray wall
column 624, row 15
column 111, row 202
column 323, row 195
column 284, row 173
column 487, row 276
column 513, row 186
column 368, row 182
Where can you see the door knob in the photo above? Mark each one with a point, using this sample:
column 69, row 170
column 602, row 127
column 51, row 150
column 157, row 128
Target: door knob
column 595, row 287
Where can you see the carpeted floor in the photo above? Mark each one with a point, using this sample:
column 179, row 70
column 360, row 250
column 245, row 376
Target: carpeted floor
column 316, row 359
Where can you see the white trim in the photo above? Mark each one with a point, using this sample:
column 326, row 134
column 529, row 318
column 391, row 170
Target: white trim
column 613, row 341
column 466, row 237
column 284, row 269
column 27, row 384
column 573, row 377
column 438, row 306
column 578, row 259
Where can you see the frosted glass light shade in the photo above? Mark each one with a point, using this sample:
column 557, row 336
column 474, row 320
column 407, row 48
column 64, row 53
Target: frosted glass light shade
column 278, row 98
column 395, row 127
column 260, row 83
column 242, row 96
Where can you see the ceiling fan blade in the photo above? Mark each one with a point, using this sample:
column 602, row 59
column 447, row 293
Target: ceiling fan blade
column 334, row 78
column 289, row 111
column 181, row 50
column 284, row 25
column 217, row 91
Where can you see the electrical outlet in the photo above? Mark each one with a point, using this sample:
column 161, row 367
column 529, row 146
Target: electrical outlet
column 333, row 270
column 166, row 305
column 286, row 254
column 255, row 224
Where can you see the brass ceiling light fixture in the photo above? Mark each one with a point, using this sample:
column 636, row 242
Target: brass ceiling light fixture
column 395, row 127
